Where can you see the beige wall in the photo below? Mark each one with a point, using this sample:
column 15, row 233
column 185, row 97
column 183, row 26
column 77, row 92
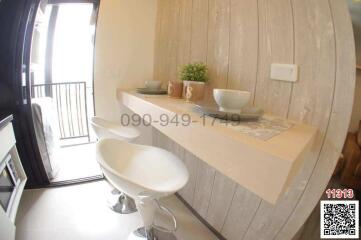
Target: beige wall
column 123, row 50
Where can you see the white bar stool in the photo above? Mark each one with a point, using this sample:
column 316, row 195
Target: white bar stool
column 118, row 201
column 146, row 174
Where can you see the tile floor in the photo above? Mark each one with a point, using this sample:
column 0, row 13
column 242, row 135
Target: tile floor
column 80, row 213
column 76, row 162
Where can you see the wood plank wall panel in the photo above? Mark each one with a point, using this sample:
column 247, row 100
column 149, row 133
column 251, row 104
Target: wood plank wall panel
column 275, row 20
column 240, row 214
column 313, row 96
column 158, row 41
column 313, row 38
column 184, row 32
column 243, row 45
column 167, row 69
column 222, row 195
column 199, row 39
column 218, row 44
column 339, row 120
column 203, row 189
column 191, row 163
column 239, row 39
column 160, row 56
column 159, row 140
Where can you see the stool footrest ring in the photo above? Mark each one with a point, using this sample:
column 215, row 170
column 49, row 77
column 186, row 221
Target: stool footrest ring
column 169, row 213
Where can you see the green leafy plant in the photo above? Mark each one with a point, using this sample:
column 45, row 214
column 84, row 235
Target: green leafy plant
column 194, row 72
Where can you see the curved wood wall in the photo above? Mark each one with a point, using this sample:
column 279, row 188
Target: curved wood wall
column 239, row 39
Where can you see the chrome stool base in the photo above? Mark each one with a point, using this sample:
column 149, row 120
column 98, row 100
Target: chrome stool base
column 153, row 234
column 147, row 206
column 121, row 203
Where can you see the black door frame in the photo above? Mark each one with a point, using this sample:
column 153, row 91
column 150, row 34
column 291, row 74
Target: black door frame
column 42, row 176
column 27, row 125
column 17, row 18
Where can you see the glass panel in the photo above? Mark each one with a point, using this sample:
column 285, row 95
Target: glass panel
column 73, row 62
column 6, row 188
column 38, row 46
column 73, row 44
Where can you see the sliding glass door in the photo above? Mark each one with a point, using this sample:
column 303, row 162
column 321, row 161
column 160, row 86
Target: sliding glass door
column 62, row 88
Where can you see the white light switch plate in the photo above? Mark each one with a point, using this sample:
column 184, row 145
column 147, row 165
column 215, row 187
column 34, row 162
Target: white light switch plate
column 284, row 72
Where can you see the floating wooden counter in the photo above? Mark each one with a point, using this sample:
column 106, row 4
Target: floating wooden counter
column 266, row 168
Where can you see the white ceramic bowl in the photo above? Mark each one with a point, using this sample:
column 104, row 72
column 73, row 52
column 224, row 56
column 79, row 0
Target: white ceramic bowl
column 154, row 85
column 231, row 100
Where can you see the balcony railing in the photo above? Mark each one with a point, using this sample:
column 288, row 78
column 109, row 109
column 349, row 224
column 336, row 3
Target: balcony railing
column 70, row 100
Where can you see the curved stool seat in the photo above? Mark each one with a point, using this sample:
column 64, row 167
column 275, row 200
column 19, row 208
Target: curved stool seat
column 107, row 129
column 145, row 173
column 118, row 201
column 138, row 168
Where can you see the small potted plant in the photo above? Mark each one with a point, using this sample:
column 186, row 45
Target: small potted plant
column 194, row 77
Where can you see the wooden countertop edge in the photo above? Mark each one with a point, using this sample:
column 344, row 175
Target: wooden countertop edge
column 285, row 166
column 270, row 146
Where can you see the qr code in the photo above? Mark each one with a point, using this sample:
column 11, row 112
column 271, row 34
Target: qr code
column 340, row 219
